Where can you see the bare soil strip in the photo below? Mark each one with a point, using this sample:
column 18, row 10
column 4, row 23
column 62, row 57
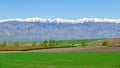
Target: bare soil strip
column 77, row 49
column 74, row 49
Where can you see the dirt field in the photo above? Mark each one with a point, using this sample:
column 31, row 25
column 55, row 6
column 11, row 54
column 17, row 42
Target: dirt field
column 102, row 49
column 76, row 49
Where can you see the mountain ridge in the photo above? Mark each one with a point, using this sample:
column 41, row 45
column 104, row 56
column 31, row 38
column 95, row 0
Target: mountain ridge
column 61, row 20
column 38, row 31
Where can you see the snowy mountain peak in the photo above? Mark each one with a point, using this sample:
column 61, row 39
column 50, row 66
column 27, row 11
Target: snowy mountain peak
column 61, row 20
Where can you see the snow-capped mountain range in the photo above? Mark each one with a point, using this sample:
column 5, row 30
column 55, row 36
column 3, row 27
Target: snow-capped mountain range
column 38, row 29
column 61, row 20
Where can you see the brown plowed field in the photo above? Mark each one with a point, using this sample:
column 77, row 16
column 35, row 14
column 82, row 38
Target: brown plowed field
column 115, row 48
column 77, row 49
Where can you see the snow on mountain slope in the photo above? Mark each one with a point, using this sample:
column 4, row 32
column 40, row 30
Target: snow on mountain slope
column 37, row 29
column 61, row 20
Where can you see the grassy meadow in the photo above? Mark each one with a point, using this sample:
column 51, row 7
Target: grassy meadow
column 60, row 60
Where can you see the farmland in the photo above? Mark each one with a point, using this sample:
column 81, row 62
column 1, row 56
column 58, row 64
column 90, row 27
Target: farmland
column 89, row 53
column 60, row 60
column 28, row 45
column 48, row 44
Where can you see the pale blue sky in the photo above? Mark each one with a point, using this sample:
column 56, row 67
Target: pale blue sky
column 70, row 9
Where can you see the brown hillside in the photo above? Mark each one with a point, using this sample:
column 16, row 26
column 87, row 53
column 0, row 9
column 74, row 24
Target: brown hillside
column 114, row 41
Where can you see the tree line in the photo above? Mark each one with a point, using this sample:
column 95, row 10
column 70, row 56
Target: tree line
column 19, row 43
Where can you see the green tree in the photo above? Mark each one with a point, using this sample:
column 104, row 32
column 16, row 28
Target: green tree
column 105, row 43
column 45, row 43
column 84, row 44
column 52, row 43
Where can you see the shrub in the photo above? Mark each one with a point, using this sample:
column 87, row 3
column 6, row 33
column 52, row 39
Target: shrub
column 52, row 43
column 45, row 43
column 105, row 43
column 33, row 44
column 3, row 44
column 84, row 44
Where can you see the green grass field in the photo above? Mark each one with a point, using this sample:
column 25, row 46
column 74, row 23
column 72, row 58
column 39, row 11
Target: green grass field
column 72, row 42
column 60, row 60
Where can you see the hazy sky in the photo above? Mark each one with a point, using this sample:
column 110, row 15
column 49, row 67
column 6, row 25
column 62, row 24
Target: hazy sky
column 70, row 9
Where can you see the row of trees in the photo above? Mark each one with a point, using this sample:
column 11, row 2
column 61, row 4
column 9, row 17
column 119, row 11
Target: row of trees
column 18, row 43
column 50, row 43
column 94, row 43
